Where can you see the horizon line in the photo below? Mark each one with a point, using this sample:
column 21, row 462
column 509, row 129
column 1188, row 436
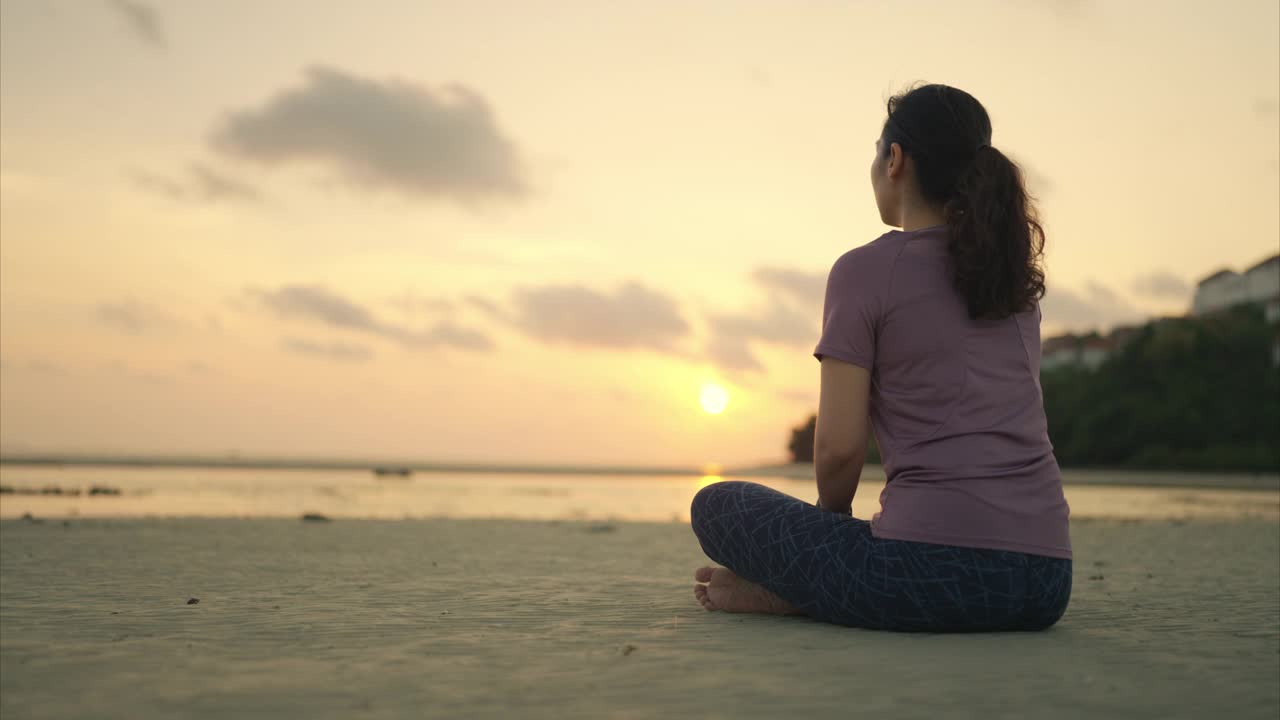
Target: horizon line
column 268, row 462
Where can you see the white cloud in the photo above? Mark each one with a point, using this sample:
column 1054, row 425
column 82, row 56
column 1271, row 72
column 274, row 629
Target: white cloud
column 1163, row 284
column 134, row 317
column 143, row 21
column 201, row 184
column 791, row 316
column 374, row 133
column 631, row 317
column 340, row 351
column 320, row 305
column 1095, row 308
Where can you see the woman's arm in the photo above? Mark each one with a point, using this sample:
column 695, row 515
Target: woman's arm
column 840, row 442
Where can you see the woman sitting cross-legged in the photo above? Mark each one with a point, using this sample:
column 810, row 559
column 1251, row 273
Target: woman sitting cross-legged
column 931, row 339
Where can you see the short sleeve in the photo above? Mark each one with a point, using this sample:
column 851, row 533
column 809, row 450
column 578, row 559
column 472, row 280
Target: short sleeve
column 852, row 308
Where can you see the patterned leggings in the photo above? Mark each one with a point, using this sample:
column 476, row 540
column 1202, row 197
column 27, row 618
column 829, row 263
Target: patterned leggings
column 830, row 568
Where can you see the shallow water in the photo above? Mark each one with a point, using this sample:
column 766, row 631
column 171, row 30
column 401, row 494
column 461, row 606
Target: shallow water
column 202, row 492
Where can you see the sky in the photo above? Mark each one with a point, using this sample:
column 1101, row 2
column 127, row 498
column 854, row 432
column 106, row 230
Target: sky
column 535, row 232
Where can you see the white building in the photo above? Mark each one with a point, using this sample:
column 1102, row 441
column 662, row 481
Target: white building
column 1260, row 284
column 1070, row 350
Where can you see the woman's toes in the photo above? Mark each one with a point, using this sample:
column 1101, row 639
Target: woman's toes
column 703, row 574
column 700, row 593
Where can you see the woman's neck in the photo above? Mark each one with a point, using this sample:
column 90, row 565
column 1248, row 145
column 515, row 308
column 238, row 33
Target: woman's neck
column 917, row 214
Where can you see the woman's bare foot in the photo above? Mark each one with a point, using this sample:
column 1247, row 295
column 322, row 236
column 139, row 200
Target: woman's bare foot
column 726, row 591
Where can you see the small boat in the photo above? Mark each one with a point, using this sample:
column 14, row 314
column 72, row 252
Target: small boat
column 396, row 471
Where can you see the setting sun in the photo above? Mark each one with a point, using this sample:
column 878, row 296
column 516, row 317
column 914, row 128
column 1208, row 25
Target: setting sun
column 714, row 398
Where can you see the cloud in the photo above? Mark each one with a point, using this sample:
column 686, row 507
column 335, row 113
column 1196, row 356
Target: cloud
column 1068, row 9
column 143, row 20
column 732, row 353
column 137, row 374
column 1162, row 285
column 777, row 322
column 47, row 367
column 160, row 185
column 214, row 186
column 388, row 134
column 449, row 335
column 411, row 303
column 201, row 184
column 199, row 367
column 1036, row 182
column 340, row 351
column 631, row 317
column 318, row 305
column 805, row 288
column 791, row 316
column 134, row 317
column 212, row 323
column 485, row 305
column 1095, row 308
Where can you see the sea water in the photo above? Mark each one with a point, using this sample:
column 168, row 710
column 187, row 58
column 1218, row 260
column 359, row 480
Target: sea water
column 63, row 492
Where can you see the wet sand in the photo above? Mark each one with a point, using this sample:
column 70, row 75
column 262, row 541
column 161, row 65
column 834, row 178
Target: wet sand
column 510, row 618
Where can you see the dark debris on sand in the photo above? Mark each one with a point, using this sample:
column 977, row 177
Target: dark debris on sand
column 60, row 491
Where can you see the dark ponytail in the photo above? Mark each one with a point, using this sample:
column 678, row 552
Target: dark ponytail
column 995, row 239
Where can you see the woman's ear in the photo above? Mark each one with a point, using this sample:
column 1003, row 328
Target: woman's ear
column 897, row 161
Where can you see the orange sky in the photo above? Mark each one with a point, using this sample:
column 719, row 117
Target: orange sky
column 532, row 232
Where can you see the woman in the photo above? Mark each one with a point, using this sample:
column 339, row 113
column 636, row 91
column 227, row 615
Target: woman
column 930, row 338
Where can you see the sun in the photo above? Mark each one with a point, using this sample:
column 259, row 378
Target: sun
column 714, row 398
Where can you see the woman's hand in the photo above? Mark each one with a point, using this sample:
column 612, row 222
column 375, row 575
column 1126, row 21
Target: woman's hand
column 843, row 511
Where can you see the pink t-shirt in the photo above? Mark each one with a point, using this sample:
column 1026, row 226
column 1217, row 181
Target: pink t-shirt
column 956, row 404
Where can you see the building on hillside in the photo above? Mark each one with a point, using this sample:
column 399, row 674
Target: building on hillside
column 1263, row 279
column 1122, row 334
column 1259, row 284
column 1262, row 283
column 1094, row 350
column 1087, row 351
column 1058, row 351
column 1220, row 290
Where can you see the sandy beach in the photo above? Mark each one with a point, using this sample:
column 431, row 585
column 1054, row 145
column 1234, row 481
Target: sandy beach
column 511, row 618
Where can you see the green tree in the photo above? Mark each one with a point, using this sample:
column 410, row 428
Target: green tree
column 1195, row 393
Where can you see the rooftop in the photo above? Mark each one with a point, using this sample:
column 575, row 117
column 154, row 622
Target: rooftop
column 1058, row 344
column 1273, row 260
column 1221, row 273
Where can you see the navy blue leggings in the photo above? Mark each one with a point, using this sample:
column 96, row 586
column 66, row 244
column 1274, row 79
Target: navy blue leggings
column 830, row 568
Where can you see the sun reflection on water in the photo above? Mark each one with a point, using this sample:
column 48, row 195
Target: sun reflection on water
column 706, row 480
